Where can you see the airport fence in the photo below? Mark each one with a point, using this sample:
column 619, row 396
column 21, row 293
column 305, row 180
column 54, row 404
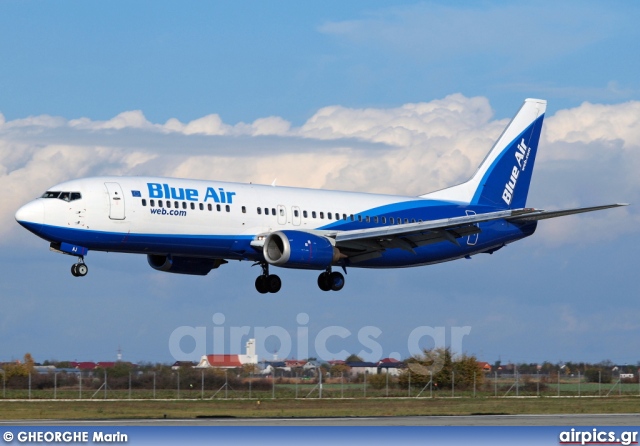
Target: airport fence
column 216, row 384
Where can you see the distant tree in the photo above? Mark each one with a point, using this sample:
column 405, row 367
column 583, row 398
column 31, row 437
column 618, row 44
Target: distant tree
column 594, row 375
column 379, row 381
column 248, row 369
column 467, row 371
column 120, row 370
column 15, row 369
column 354, row 358
column 439, row 363
column 340, row 370
column 28, row 362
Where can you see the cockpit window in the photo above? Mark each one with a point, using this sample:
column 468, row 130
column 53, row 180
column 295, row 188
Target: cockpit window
column 65, row 196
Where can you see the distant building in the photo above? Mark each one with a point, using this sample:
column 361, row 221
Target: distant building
column 179, row 364
column 359, row 368
column 485, row 366
column 390, row 366
column 230, row 361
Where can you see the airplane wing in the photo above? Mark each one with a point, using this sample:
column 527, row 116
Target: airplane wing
column 539, row 214
column 364, row 244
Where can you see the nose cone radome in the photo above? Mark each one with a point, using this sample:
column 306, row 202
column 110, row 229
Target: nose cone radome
column 31, row 215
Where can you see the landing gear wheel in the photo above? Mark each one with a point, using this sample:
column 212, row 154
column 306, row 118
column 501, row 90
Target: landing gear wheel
column 323, row 281
column 336, row 280
column 74, row 270
column 81, row 269
column 273, row 283
column 261, row 284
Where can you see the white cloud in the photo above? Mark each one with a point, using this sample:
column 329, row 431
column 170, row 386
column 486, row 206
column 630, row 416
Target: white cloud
column 129, row 119
column 589, row 153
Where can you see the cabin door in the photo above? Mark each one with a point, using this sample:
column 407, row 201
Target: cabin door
column 282, row 215
column 116, row 201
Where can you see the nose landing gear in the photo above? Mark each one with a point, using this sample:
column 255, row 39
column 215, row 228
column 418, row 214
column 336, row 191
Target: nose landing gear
column 331, row 281
column 79, row 269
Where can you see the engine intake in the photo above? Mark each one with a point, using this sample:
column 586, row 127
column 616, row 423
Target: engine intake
column 183, row 265
column 298, row 249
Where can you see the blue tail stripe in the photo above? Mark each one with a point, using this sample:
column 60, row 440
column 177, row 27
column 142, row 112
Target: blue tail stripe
column 506, row 183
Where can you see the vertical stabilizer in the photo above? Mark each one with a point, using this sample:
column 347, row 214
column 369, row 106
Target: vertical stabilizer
column 503, row 178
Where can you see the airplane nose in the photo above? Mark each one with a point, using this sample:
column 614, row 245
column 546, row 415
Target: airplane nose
column 31, row 215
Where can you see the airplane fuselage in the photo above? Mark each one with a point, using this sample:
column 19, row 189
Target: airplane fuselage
column 212, row 219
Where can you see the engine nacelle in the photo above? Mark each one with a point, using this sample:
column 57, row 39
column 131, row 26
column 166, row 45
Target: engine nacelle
column 183, row 265
column 298, row 249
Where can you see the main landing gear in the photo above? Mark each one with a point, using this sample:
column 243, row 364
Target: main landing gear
column 267, row 283
column 330, row 281
column 270, row 283
column 79, row 269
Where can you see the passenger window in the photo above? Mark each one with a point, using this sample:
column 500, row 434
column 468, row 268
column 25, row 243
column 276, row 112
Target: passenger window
column 344, row 216
column 375, row 219
column 406, row 220
column 359, row 217
column 322, row 215
column 273, row 211
column 384, row 220
column 184, row 205
column 391, row 220
column 201, row 206
column 368, row 219
column 176, row 205
column 193, row 206
column 413, row 220
column 304, row 214
column 218, row 208
column 259, row 211
column 296, row 213
column 152, row 203
column 352, row 218
column 281, row 212
column 210, row 207
column 266, row 211
column 313, row 214
column 144, row 202
column 329, row 216
column 168, row 204
column 244, row 210
column 227, row 208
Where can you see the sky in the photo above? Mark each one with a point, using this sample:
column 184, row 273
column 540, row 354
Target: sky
column 380, row 96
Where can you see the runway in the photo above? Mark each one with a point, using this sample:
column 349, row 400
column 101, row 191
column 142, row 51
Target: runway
column 479, row 420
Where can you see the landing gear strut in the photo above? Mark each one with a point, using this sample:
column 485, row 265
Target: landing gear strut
column 267, row 283
column 330, row 281
column 79, row 269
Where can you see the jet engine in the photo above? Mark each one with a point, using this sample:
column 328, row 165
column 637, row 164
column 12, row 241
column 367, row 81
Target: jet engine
column 298, row 249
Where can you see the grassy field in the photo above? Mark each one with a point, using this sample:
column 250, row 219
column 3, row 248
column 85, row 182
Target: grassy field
column 290, row 408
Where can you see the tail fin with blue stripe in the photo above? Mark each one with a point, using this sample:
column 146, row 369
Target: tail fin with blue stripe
column 503, row 178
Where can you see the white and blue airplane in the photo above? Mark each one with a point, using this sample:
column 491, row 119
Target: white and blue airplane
column 191, row 227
